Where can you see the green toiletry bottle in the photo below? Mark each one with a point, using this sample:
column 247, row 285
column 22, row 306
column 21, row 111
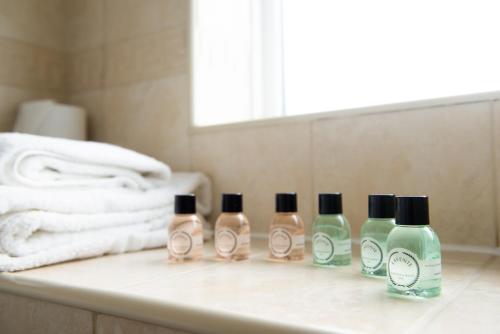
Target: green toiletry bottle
column 331, row 233
column 413, row 251
column 374, row 232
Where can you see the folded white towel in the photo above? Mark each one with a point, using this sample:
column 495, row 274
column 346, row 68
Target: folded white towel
column 92, row 200
column 37, row 161
column 40, row 227
column 63, row 199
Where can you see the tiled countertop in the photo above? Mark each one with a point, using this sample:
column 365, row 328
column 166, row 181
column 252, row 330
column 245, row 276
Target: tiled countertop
column 258, row 296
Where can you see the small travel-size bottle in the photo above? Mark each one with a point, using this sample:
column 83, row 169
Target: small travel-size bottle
column 331, row 237
column 413, row 251
column 286, row 233
column 374, row 232
column 185, row 232
column 232, row 230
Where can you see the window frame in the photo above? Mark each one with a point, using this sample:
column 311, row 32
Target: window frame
column 281, row 118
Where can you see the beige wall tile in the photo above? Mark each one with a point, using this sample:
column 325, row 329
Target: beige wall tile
column 25, row 315
column 153, row 56
column 258, row 161
column 33, row 21
column 86, row 70
column 150, row 117
column 27, row 66
column 442, row 152
column 85, row 24
column 108, row 324
column 476, row 307
column 127, row 19
column 33, row 63
column 92, row 101
column 496, row 127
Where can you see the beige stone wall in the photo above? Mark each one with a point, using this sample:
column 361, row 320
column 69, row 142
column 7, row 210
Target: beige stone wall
column 129, row 67
column 445, row 152
column 27, row 315
column 32, row 56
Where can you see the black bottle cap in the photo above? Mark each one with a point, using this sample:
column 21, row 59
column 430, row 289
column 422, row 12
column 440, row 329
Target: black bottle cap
column 286, row 202
column 330, row 204
column 381, row 206
column 185, row 204
column 232, row 202
column 412, row 210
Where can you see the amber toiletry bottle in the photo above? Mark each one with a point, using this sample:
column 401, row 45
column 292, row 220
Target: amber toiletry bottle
column 185, row 232
column 232, row 230
column 286, row 234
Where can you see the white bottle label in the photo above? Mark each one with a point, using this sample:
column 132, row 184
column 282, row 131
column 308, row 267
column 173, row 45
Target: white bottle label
column 182, row 243
column 281, row 242
column 323, row 247
column 342, row 247
column 227, row 242
column 405, row 270
column 372, row 254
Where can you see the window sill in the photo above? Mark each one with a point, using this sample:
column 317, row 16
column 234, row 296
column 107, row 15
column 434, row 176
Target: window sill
column 258, row 296
column 388, row 108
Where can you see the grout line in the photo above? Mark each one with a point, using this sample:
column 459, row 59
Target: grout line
column 211, row 265
column 94, row 322
column 435, row 311
column 312, row 167
column 494, row 173
column 126, row 286
column 471, row 249
column 446, row 247
column 354, row 112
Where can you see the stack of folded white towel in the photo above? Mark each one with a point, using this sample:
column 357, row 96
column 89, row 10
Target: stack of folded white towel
column 64, row 199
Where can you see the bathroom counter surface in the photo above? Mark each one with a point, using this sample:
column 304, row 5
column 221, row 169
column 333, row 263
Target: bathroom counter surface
column 258, row 296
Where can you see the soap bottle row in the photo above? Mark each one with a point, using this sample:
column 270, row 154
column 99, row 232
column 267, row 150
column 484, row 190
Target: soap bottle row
column 396, row 240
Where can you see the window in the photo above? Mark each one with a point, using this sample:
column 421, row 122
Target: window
column 255, row 59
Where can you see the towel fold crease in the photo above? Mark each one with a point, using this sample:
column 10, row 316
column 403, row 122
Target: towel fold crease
column 64, row 199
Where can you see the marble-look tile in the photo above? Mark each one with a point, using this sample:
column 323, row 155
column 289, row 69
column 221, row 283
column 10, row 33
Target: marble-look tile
column 152, row 56
column 131, row 18
column 27, row 66
column 36, row 22
column 475, row 316
column 86, row 70
column 151, row 117
column 118, row 272
column 113, row 272
column 106, row 324
column 259, row 162
column 444, row 152
column 85, row 24
column 496, row 140
column 26, row 315
column 476, row 307
column 92, row 101
column 327, row 298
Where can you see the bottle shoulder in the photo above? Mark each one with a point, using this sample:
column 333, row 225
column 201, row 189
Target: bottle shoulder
column 424, row 231
column 185, row 219
column 335, row 220
column 231, row 219
column 281, row 218
column 417, row 238
column 378, row 225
